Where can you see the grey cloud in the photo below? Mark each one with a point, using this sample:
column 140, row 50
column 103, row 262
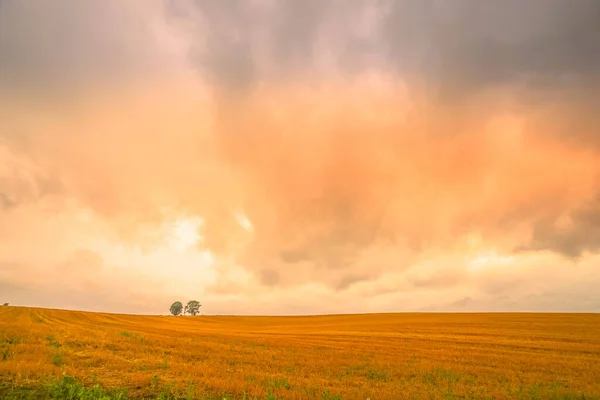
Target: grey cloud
column 293, row 256
column 228, row 37
column 68, row 43
column 474, row 45
column 269, row 277
column 24, row 186
column 456, row 46
column 6, row 201
column 580, row 235
column 347, row 281
column 221, row 43
column 238, row 43
column 567, row 299
column 296, row 31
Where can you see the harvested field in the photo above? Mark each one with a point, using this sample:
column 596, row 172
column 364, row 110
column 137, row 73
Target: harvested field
column 377, row 356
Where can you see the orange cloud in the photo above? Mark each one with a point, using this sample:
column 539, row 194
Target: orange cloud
column 340, row 185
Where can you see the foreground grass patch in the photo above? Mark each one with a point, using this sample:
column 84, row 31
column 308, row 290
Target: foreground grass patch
column 69, row 388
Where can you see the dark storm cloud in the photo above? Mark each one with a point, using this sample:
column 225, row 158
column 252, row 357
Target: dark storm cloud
column 66, row 43
column 456, row 47
column 581, row 233
column 239, row 43
column 471, row 45
column 222, row 41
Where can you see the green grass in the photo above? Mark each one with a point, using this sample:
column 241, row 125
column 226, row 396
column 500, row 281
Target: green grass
column 52, row 342
column 6, row 353
column 133, row 336
column 69, row 388
column 58, row 360
column 12, row 340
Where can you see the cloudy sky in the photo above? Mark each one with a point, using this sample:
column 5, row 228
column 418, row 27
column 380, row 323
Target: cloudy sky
column 300, row 156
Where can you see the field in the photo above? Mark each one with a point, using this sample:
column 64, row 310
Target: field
column 48, row 353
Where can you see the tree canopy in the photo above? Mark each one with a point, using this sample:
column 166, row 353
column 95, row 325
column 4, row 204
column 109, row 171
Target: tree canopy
column 192, row 307
column 176, row 308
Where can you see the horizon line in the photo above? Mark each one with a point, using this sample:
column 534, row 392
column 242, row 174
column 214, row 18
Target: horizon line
column 306, row 315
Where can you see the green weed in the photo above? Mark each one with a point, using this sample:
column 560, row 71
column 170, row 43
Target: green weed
column 57, row 360
column 52, row 342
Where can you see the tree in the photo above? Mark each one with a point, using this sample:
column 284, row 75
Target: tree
column 5, row 304
column 192, row 308
column 176, row 308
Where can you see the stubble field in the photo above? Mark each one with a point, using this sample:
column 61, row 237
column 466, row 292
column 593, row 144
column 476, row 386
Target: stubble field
column 54, row 354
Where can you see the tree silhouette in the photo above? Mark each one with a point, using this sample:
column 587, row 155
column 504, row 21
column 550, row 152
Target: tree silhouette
column 176, row 308
column 192, row 308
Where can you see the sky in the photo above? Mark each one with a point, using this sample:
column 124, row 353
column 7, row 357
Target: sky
column 300, row 157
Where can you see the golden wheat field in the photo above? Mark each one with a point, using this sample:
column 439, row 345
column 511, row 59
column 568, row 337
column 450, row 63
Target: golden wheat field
column 374, row 356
